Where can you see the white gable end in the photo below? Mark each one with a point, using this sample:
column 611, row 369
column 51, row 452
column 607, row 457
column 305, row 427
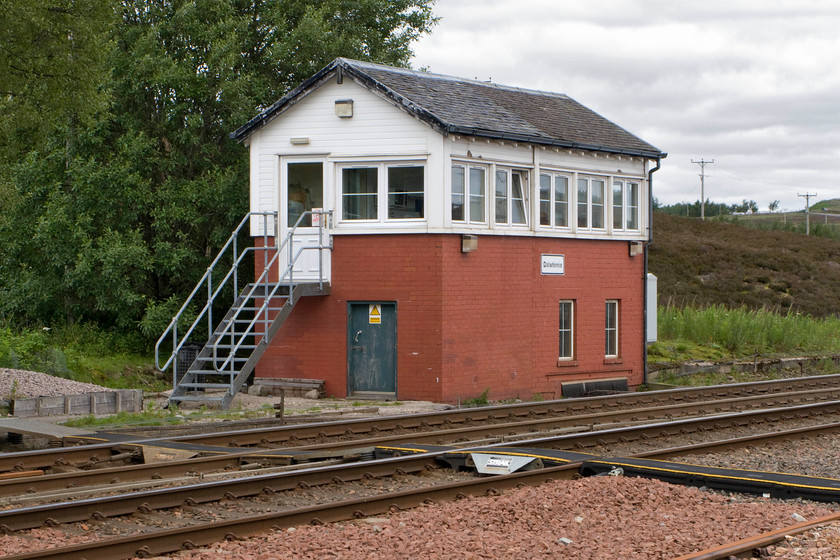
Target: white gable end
column 377, row 130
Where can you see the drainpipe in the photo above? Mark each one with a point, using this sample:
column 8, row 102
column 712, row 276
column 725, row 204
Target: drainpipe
column 644, row 278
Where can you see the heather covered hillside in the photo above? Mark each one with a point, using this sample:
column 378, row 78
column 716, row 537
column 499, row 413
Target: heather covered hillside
column 702, row 263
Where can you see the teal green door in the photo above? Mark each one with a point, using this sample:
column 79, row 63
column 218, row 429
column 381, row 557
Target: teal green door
column 372, row 350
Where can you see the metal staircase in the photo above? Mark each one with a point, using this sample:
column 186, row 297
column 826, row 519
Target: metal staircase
column 213, row 371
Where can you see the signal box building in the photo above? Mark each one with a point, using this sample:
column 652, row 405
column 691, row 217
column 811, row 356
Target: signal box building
column 484, row 239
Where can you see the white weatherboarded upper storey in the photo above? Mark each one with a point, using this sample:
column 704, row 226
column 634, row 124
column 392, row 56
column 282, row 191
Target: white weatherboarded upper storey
column 428, row 153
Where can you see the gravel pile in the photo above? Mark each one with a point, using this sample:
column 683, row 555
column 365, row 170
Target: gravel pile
column 23, row 384
column 600, row 518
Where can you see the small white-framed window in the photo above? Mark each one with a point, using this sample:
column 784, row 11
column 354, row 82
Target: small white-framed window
column 405, row 192
column 590, row 203
column 359, row 193
column 469, row 194
column 567, row 329
column 554, row 200
column 382, row 192
column 510, row 196
column 611, row 328
column 625, row 205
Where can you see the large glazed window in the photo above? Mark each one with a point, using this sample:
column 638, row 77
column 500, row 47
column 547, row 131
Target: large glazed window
column 590, row 203
column 305, row 191
column 405, row 192
column 510, row 198
column 469, row 187
column 625, row 205
column 382, row 192
column 554, row 200
column 359, row 193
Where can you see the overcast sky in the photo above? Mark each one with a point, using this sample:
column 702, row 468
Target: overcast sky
column 752, row 84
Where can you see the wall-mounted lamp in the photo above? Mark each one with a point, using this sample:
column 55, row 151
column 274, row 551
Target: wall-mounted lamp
column 299, row 141
column 636, row 248
column 469, row 243
column 344, row 108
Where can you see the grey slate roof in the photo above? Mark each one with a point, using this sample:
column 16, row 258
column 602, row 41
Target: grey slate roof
column 472, row 108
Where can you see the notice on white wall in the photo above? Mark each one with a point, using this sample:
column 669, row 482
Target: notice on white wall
column 553, row 264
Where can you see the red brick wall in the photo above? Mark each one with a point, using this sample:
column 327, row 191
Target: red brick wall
column 504, row 336
column 470, row 322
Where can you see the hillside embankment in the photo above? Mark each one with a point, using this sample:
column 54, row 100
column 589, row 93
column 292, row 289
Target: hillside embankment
column 702, row 263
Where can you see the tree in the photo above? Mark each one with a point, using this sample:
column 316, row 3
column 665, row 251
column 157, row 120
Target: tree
column 109, row 221
column 773, row 206
column 52, row 64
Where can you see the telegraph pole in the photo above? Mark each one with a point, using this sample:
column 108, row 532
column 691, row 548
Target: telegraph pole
column 702, row 163
column 807, row 197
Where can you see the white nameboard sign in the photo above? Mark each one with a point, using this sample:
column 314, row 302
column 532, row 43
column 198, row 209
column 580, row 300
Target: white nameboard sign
column 552, row 264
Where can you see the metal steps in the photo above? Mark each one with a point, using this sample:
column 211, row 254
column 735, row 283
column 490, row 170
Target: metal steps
column 214, row 370
column 231, row 354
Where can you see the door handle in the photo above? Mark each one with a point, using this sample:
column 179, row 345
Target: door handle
column 356, row 338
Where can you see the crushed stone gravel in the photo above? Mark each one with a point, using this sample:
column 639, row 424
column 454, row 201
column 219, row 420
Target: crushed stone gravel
column 19, row 383
column 599, row 518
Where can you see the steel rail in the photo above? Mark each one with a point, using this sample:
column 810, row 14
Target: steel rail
column 80, row 510
column 509, row 431
column 747, row 544
column 255, row 436
column 130, row 473
column 202, row 534
column 495, row 420
column 145, row 545
column 192, row 494
column 675, row 427
column 100, row 453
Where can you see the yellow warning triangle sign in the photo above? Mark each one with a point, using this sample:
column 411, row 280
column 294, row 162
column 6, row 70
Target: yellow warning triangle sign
column 374, row 314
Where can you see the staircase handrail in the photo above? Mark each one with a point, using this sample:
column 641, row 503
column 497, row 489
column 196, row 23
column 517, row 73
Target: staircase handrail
column 207, row 279
column 263, row 281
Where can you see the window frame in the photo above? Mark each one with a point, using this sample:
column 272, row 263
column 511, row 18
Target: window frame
column 611, row 325
column 589, row 204
column 628, row 210
column 552, row 201
column 566, row 333
column 510, row 202
column 481, row 198
column 383, row 191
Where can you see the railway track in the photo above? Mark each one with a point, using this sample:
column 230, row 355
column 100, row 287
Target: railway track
column 534, row 431
column 200, row 534
column 98, row 450
column 431, row 430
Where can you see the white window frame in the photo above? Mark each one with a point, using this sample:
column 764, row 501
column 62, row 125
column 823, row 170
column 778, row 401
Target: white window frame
column 566, row 331
column 552, row 177
column 622, row 216
column 587, row 202
column 482, row 198
column 509, row 201
column 611, row 322
column 382, row 191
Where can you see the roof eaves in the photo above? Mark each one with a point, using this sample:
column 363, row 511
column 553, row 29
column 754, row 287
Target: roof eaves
column 548, row 141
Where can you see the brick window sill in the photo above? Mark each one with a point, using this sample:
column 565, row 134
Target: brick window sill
column 613, row 361
column 567, row 363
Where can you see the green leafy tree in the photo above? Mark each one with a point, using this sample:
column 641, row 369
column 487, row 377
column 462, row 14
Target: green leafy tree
column 52, row 64
column 117, row 211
